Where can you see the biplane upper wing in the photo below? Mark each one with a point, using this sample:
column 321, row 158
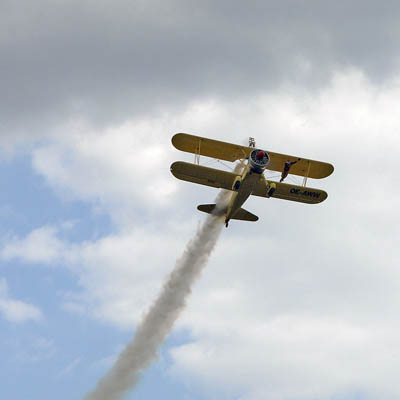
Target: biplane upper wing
column 287, row 191
column 203, row 175
column 232, row 152
column 210, row 147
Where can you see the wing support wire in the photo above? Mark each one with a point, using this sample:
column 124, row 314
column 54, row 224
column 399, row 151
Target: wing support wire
column 197, row 153
column 306, row 175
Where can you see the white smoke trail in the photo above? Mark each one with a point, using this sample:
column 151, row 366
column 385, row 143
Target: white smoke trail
column 159, row 320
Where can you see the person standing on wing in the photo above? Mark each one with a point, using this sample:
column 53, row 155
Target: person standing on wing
column 286, row 168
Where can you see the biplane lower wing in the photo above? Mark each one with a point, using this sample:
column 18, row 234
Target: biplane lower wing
column 224, row 180
column 203, row 175
column 287, row 191
column 232, row 152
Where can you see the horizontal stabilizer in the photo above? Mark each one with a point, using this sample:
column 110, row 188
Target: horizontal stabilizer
column 241, row 214
column 244, row 215
column 211, row 209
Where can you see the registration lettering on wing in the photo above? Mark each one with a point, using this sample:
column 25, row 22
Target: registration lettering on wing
column 305, row 193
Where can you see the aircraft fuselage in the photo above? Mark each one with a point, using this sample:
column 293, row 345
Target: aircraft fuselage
column 249, row 181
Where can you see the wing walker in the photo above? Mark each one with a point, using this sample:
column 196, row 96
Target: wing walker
column 251, row 181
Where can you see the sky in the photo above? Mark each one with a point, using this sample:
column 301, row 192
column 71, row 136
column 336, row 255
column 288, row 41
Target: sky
column 301, row 305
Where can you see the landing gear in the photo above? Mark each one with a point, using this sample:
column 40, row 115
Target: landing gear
column 236, row 185
column 271, row 189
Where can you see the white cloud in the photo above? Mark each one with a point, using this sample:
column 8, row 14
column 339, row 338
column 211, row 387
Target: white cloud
column 16, row 310
column 121, row 170
column 305, row 301
column 277, row 319
column 39, row 246
column 121, row 274
column 292, row 356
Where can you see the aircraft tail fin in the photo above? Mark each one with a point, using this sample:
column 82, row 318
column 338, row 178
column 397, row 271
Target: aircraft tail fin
column 241, row 214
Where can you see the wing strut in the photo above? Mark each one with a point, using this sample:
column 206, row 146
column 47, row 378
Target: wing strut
column 197, row 153
column 306, row 175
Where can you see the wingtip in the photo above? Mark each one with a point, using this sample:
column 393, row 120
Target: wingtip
column 174, row 138
column 177, row 139
column 330, row 171
column 173, row 167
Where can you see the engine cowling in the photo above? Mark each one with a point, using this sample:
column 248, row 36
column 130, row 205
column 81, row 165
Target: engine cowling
column 258, row 160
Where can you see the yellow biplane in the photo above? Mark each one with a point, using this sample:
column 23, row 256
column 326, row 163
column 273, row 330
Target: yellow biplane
column 251, row 181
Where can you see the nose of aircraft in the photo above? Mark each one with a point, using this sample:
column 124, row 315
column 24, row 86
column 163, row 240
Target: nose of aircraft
column 260, row 155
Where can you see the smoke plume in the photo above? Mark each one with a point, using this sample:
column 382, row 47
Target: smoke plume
column 160, row 318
